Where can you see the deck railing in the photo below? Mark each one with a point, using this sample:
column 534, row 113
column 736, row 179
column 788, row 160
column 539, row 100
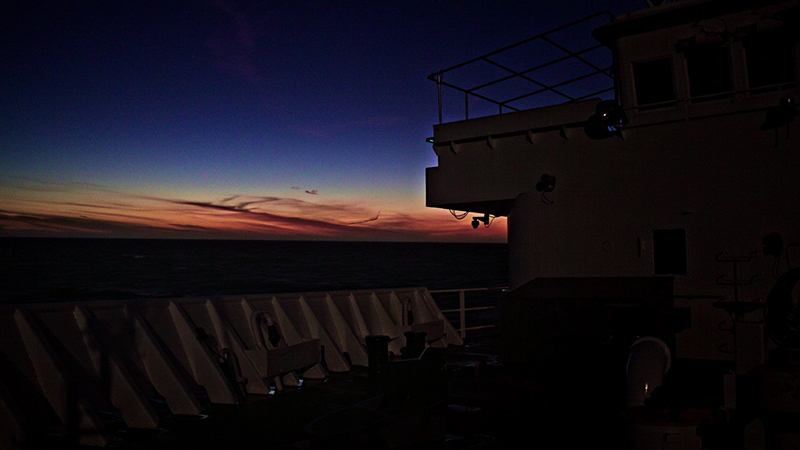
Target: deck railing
column 488, row 303
column 589, row 74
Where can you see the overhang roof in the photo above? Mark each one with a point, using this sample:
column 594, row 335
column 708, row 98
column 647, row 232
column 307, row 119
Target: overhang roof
column 672, row 14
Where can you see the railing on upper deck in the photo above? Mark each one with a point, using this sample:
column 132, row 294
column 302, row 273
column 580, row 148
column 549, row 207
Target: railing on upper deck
column 484, row 313
column 597, row 80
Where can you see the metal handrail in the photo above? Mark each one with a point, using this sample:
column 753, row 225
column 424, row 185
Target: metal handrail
column 438, row 77
column 463, row 310
column 684, row 105
column 530, row 39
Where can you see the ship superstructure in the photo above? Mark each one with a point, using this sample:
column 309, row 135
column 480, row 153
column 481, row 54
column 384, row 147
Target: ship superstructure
column 665, row 205
column 690, row 172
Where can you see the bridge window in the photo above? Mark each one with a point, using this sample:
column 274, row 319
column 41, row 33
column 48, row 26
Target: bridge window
column 709, row 70
column 653, row 82
column 770, row 61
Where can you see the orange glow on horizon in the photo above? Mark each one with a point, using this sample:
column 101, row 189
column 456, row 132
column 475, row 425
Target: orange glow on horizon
column 88, row 211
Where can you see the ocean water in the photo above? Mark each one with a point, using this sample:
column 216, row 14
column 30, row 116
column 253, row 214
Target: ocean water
column 59, row 269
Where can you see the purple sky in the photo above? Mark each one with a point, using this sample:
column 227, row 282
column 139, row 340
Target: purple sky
column 241, row 119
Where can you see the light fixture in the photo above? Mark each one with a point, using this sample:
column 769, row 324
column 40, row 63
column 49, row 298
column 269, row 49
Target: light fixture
column 477, row 220
column 606, row 121
column 547, row 183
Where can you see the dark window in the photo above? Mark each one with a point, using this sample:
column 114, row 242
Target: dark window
column 653, row 81
column 709, row 70
column 669, row 252
column 769, row 60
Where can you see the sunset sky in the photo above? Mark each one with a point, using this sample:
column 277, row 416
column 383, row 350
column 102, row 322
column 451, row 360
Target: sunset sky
column 239, row 119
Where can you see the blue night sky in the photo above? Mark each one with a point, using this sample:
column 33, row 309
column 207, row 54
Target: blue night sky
column 238, row 119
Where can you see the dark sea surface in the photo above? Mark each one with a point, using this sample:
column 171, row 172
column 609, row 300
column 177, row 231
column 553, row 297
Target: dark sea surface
column 60, row 269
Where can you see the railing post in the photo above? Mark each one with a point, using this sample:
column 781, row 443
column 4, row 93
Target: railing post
column 462, row 305
column 462, row 310
column 466, row 105
column 439, row 85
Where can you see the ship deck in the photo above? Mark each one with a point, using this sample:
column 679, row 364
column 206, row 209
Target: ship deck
column 486, row 405
column 483, row 403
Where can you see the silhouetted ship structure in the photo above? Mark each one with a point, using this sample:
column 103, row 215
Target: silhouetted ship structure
column 653, row 236
column 668, row 210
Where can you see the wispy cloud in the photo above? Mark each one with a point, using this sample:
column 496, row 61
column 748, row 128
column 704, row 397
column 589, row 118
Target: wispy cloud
column 293, row 222
column 307, row 191
column 55, row 225
column 101, row 211
column 373, row 219
column 36, row 185
column 187, row 227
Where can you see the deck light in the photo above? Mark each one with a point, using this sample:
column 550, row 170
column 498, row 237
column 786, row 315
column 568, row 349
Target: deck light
column 606, row 121
column 546, row 183
column 477, row 220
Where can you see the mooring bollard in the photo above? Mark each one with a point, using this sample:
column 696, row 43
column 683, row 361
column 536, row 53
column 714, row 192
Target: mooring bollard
column 377, row 355
column 415, row 343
